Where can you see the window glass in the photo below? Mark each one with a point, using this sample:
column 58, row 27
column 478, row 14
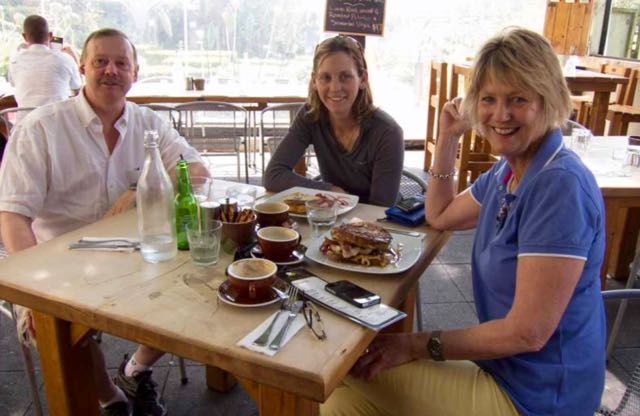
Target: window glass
column 622, row 35
column 265, row 47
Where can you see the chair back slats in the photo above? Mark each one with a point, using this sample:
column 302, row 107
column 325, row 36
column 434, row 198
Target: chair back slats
column 436, row 98
column 624, row 92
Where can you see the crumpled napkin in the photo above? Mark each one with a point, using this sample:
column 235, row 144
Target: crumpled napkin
column 106, row 244
column 296, row 325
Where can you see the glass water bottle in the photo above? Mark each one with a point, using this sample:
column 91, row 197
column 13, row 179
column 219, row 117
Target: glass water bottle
column 154, row 198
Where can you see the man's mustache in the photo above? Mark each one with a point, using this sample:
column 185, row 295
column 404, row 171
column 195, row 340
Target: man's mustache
column 109, row 80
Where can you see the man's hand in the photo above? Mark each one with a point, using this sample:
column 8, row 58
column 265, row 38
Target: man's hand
column 125, row 202
column 386, row 351
column 453, row 123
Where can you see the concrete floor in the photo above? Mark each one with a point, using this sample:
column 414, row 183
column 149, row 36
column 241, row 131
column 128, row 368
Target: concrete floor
column 446, row 299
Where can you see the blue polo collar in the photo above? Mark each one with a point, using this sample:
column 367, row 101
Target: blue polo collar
column 550, row 147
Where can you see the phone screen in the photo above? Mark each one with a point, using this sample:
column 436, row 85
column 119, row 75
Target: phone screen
column 56, row 42
column 353, row 293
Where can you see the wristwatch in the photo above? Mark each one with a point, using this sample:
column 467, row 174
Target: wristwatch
column 434, row 346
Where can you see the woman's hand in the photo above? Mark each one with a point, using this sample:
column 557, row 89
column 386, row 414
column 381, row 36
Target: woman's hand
column 386, row 351
column 453, row 123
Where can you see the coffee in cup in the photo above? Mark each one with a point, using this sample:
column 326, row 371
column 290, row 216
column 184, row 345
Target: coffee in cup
column 271, row 213
column 252, row 279
column 278, row 243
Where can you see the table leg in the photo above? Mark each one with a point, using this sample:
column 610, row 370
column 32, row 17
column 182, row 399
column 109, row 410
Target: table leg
column 66, row 368
column 219, row 380
column 599, row 112
column 272, row 401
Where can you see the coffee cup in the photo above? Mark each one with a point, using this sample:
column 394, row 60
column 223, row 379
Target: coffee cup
column 271, row 213
column 278, row 243
column 251, row 279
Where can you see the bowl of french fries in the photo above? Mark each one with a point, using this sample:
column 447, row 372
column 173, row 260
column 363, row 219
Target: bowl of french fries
column 238, row 225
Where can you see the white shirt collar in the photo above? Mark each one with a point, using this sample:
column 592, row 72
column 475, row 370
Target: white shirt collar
column 87, row 115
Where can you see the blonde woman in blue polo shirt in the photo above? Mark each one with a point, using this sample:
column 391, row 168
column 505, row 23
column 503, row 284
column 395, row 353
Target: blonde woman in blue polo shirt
column 539, row 244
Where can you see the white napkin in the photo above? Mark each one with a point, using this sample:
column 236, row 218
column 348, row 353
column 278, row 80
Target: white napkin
column 296, row 325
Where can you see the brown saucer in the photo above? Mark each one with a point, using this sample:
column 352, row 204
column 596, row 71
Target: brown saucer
column 227, row 294
column 296, row 257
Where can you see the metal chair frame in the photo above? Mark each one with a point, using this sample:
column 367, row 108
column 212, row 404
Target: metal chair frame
column 6, row 123
column 223, row 135
column 275, row 121
column 6, row 309
column 630, row 402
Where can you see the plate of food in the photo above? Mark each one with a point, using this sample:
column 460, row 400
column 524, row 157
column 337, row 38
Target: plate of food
column 297, row 196
column 365, row 247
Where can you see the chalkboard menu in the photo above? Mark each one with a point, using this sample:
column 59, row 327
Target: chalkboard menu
column 357, row 17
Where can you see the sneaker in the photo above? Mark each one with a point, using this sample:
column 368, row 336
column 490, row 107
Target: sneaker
column 117, row 409
column 141, row 391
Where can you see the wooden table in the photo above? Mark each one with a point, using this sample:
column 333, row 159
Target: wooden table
column 173, row 306
column 622, row 203
column 252, row 102
column 602, row 85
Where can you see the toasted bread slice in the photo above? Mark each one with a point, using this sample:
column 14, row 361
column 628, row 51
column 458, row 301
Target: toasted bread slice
column 362, row 234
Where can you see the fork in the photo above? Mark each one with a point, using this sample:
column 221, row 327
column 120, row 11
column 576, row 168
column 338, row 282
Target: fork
column 293, row 312
column 292, row 292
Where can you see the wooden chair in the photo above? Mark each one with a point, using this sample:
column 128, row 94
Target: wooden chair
column 474, row 155
column 623, row 111
column 436, row 99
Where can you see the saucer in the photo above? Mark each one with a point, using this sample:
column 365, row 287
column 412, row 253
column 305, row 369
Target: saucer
column 227, row 294
column 295, row 258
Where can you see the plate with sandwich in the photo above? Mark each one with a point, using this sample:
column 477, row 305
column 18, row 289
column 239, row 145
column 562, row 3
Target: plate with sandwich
column 297, row 196
column 365, row 247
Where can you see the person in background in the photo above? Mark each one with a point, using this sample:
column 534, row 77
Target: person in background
column 360, row 148
column 539, row 348
column 39, row 74
column 70, row 164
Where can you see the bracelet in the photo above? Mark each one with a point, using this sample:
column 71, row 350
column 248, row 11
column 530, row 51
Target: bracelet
column 441, row 176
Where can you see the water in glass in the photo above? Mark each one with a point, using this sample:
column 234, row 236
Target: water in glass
column 321, row 217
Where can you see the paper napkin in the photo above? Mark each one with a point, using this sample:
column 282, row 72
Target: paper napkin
column 296, row 325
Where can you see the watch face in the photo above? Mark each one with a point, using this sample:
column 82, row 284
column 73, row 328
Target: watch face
column 434, row 346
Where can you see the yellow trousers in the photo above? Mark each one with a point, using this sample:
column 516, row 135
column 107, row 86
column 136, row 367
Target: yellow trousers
column 422, row 387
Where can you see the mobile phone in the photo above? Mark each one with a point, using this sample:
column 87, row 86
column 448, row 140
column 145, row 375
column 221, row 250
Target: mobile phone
column 352, row 293
column 411, row 203
column 56, row 42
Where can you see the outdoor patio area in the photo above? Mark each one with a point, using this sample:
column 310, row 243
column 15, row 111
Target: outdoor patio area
column 447, row 302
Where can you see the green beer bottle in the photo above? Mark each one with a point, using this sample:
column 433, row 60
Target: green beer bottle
column 186, row 204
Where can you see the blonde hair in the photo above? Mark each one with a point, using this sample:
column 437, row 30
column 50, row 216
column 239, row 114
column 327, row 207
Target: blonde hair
column 363, row 105
column 525, row 59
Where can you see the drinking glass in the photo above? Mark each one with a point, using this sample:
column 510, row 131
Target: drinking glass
column 204, row 242
column 321, row 217
column 201, row 188
column 581, row 141
column 245, row 195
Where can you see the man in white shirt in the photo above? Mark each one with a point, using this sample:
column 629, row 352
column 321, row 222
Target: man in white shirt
column 70, row 164
column 39, row 74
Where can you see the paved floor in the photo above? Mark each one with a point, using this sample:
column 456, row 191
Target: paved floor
column 446, row 299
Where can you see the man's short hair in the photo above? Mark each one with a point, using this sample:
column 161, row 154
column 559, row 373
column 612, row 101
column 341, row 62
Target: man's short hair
column 36, row 29
column 107, row 33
